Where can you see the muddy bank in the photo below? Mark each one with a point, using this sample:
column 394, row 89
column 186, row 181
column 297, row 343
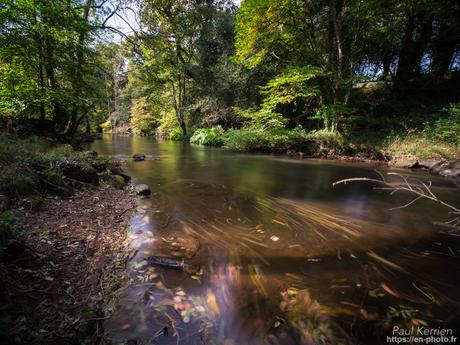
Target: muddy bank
column 60, row 277
column 436, row 165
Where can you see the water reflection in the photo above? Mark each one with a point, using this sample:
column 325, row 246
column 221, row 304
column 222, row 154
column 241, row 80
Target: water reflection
column 281, row 256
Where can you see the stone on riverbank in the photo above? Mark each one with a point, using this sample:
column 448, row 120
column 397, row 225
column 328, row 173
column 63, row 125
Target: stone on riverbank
column 80, row 173
column 117, row 181
column 406, row 162
column 142, row 189
column 117, row 171
column 138, row 157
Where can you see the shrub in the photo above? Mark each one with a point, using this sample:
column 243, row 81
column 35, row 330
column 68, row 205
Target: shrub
column 251, row 138
column 19, row 184
column 332, row 142
column 242, row 139
column 208, row 136
column 447, row 129
column 175, row 134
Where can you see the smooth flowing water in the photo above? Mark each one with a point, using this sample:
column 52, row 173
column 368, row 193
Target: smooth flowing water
column 274, row 254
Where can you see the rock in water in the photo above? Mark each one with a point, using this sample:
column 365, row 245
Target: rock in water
column 142, row 189
column 187, row 267
column 138, row 157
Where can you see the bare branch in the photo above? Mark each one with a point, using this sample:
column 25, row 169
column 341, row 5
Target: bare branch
column 421, row 190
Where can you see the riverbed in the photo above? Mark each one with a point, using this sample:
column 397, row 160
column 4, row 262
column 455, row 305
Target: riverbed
column 283, row 257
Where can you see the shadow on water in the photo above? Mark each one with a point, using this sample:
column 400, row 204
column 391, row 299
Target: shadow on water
column 278, row 256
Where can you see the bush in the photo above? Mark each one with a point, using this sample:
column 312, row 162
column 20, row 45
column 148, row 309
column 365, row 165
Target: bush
column 168, row 126
column 208, row 136
column 35, row 168
column 331, row 142
column 447, row 129
column 251, row 138
column 19, row 184
column 175, row 134
column 242, row 139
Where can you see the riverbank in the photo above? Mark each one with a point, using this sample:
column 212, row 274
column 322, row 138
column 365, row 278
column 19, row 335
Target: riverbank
column 63, row 221
column 416, row 150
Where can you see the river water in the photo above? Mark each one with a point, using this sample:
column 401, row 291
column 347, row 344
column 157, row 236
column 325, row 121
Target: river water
column 277, row 254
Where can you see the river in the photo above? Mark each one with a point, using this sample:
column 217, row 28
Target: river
column 279, row 255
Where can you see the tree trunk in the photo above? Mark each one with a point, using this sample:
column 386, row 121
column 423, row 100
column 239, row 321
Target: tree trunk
column 73, row 124
column 444, row 48
column 416, row 37
column 42, row 89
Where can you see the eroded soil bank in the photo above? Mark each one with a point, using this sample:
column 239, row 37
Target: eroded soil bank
column 61, row 276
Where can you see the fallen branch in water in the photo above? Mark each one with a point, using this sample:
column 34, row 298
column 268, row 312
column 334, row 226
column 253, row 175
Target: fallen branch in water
column 418, row 188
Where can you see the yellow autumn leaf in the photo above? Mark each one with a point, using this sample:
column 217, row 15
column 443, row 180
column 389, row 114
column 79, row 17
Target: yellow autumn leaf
column 212, row 302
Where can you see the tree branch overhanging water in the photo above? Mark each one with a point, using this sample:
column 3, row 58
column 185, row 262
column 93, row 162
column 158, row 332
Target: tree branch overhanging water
column 418, row 188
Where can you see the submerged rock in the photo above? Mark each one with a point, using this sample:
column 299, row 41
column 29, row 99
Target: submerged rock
column 138, row 157
column 142, row 189
column 180, row 246
column 186, row 266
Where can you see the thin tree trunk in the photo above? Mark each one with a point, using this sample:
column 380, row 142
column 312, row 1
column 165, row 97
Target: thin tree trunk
column 42, row 88
column 73, row 124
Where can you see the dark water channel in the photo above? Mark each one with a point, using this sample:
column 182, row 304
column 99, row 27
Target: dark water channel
column 279, row 256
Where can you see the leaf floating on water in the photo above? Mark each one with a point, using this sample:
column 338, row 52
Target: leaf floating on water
column 275, row 238
column 212, row 302
column 278, row 222
column 368, row 316
column 295, row 276
column 389, row 290
column 376, row 293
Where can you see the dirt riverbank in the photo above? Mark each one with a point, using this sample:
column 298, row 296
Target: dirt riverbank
column 62, row 274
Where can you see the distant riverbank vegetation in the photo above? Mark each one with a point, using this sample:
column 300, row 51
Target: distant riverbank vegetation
column 319, row 77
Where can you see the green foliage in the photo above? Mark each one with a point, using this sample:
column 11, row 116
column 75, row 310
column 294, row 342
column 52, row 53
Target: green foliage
column 447, row 129
column 37, row 168
column 253, row 138
column 262, row 119
column 175, row 134
column 292, row 86
column 334, row 114
column 143, row 120
column 19, row 184
column 208, row 136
